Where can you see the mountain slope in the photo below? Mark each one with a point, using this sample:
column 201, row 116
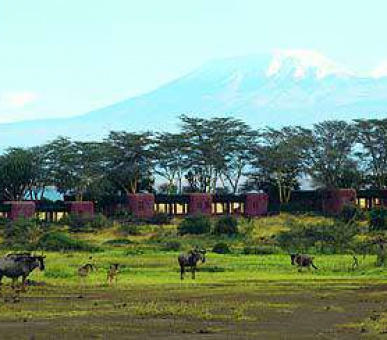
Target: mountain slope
column 286, row 87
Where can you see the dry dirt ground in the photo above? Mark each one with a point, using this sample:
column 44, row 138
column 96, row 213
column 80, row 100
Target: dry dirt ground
column 250, row 310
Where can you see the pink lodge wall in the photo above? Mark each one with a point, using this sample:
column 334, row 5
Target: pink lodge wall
column 141, row 205
column 81, row 208
column 200, row 204
column 21, row 209
column 335, row 200
column 256, row 204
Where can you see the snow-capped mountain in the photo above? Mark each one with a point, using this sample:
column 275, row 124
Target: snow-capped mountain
column 303, row 63
column 281, row 88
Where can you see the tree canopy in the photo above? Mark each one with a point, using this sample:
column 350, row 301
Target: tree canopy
column 208, row 155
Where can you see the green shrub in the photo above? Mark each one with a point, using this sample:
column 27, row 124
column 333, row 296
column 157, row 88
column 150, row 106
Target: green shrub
column 378, row 219
column 73, row 221
column 21, row 234
column 119, row 242
column 195, row 224
column 126, row 217
column 226, row 225
column 332, row 237
column 85, row 222
column 172, row 246
column 4, row 222
column 121, row 214
column 160, row 219
column 136, row 251
column 129, row 229
column 99, row 221
column 55, row 241
column 295, row 207
column 260, row 250
column 221, row 248
column 351, row 213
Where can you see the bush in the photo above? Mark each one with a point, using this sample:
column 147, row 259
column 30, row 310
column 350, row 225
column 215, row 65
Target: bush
column 61, row 242
column 378, row 219
column 129, row 229
column 99, row 221
column 119, row 242
column 126, row 217
column 259, row 250
column 21, row 234
column 221, row 248
column 160, row 219
column 75, row 222
column 226, row 225
column 351, row 213
column 85, row 223
column 196, row 224
column 172, row 246
column 135, row 251
column 4, row 222
column 121, row 214
column 335, row 236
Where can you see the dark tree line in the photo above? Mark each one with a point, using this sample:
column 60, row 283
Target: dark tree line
column 207, row 155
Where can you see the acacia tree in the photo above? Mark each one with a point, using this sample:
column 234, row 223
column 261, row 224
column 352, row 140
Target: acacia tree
column 372, row 138
column 41, row 179
column 280, row 159
column 331, row 161
column 235, row 139
column 170, row 158
column 17, row 172
column 73, row 166
column 128, row 160
column 218, row 151
column 203, row 157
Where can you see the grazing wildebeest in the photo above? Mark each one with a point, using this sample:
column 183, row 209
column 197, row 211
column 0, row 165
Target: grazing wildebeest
column 355, row 263
column 112, row 273
column 19, row 265
column 302, row 260
column 190, row 260
column 85, row 270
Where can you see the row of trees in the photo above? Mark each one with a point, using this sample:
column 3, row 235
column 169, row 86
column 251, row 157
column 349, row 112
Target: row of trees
column 206, row 155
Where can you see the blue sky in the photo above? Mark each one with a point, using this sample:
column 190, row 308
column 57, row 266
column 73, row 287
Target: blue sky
column 68, row 57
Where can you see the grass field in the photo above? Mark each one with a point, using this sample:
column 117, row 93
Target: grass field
column 233, row 296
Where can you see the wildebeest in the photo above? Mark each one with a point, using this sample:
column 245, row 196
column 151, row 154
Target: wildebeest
column 112, row 273
column 302, row 260
column 355, row 263
column 190, row 260
column 85, row 270
column 20, row 265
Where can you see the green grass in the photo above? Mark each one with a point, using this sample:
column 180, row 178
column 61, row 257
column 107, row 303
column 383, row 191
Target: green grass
column 233, row 290
column 228, row 288
column 158, row 268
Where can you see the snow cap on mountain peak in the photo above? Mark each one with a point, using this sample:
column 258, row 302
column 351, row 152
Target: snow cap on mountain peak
column 303, row 62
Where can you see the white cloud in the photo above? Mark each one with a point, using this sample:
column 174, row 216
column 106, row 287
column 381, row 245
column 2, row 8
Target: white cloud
column 380, row 71
column 17, row 100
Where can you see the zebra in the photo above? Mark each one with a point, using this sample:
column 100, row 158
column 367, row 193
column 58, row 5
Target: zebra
column 190, row 260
